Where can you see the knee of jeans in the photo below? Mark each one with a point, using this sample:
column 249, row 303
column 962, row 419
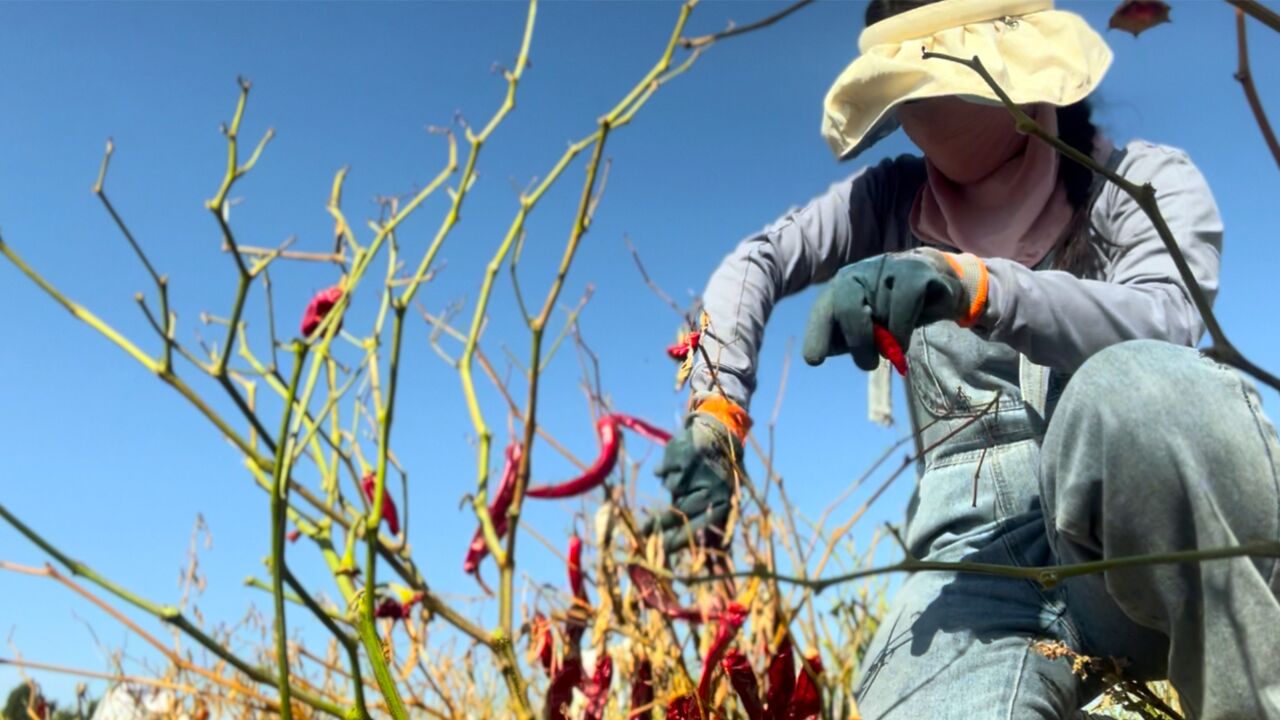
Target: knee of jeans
column 1135, row 385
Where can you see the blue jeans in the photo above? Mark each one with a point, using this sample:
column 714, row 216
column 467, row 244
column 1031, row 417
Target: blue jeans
column 1151, row 448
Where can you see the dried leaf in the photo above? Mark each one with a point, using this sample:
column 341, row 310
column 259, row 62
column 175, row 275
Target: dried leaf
column 1138, row 16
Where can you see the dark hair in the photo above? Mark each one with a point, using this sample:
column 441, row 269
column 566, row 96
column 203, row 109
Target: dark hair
column 1075, row 252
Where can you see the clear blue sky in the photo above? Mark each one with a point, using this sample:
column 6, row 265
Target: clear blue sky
column 113, row 467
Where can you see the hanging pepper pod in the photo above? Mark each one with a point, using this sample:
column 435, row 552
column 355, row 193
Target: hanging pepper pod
column 389, row 514
column 684, row 346
column 597, row 689
column 731, row 620
column 782, row 681
column 319, row 307
column 684, row 707
column 658, row 595
column 642, row 428
column 743, row 680
column 594, row 476
column 806, row 701
column 502, row 499
column 642, row 691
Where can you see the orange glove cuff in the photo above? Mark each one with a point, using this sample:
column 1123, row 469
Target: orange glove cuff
column 728, row 412
column 973, row 275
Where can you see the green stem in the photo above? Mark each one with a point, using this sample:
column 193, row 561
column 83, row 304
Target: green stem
column 368, row 633
column 346, row 641
column 279, row 503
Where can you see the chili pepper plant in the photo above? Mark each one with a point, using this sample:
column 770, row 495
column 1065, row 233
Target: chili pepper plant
column 308, row 396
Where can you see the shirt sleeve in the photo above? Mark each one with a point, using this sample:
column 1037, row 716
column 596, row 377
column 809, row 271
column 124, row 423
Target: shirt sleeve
column 849, row 222
column 1058, row 320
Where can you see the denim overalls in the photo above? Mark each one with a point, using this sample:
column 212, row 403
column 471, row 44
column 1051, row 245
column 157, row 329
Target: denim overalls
column 1121, row 470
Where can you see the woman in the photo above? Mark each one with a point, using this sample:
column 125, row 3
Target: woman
column 1038, row 299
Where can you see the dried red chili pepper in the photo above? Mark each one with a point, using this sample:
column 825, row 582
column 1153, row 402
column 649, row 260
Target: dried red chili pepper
column 607, row 430
column 684, row 707
column 685, row 345
column 497, row 510
column 293, row 535
column 597, row 689
column 782, row 681
column 642, row 691
column 319, row 307
column 730, row 621
column 888, row 347
column 659, row 596
column 560, row 691
column 806, row 701
column 389, row 513
column 396, row 610
column 1136, row 16
column 575, row 569
column 743, row 680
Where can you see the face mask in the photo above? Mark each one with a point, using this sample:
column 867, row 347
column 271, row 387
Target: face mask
column 966, row 141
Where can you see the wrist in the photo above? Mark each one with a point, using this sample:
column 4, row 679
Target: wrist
column 727, row 412
column 975, row 284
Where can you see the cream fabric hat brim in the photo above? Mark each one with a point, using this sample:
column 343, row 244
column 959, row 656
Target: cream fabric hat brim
column 1035, row 53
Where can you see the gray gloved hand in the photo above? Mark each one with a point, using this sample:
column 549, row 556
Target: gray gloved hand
column 697, row 467
column 901, row 291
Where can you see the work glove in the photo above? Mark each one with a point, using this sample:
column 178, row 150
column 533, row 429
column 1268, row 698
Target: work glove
column 899, row 291
column 698, row 467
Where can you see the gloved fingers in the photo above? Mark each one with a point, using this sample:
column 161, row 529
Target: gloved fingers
column 677, row 458
column 706, row 529
column 820, row 331
column 904, row 307
column 854, row 317
column 942, row 296
column 696, row 502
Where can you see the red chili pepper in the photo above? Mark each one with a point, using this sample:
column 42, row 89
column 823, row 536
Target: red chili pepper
column 642, row 428
column 642, row 691
column 659, row 596
column 597, row 689
column 560, row 691
column 806, row 702
column 607, row 429
column 319, row 307
column 730, row 621
column 576, row 624
column 782, row 681
column 389, row 514
column 594, row 475
column 540, row 632
column 684, row 346
column 396, row 610
column 293, row 535
column 497, row 510
column 684, row 707
column 743, row 680
column 888, row 347
column 575, row 569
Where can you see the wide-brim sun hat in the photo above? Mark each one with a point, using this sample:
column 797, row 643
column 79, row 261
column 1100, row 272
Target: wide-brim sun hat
column 1037, row 54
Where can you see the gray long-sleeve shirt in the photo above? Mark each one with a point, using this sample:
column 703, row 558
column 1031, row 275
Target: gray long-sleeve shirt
column 1053, row 317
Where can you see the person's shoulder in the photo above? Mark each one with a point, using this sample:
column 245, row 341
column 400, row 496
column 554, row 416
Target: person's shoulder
column 1143, row 160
